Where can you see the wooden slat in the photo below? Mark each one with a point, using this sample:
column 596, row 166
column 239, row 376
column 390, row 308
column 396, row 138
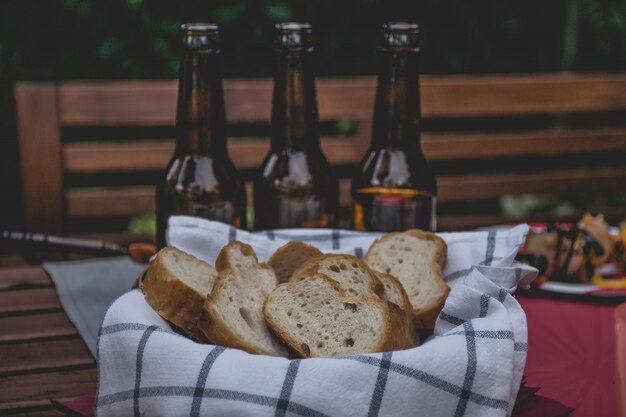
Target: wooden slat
column 40, row 156
column 11, row 260
column 457, row 223
column 119, row 201
column 136, row 200
column 19, row 357
column 41, row 411
column 526, row 94
column 476, row 187
column 23, row 277
column 450, row 146
column 35, row 326
column 28, row 300
column 130, row 201
column 153, row 103
column 141, row 102
column 129, row 102
column 35, row 390
column 153, row 155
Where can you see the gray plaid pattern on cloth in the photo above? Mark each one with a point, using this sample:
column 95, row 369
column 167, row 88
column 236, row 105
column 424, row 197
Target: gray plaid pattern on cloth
column 471, row 366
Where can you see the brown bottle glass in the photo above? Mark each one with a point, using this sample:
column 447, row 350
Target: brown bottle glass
column 201, row 179
column 393, row 188
column 295, row 185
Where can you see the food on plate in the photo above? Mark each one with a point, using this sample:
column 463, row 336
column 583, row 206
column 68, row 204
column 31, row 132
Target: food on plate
column 329, row 304
column 416, row 259
column 601, row 240
column 571, row 253
column 620, row 246
column 176, row 285
column 289, row 257
column 317, row 318
column 352, row 274
column 233, row 312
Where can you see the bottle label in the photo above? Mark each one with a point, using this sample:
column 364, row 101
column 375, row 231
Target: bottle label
column 393, row 209
column 302, row 212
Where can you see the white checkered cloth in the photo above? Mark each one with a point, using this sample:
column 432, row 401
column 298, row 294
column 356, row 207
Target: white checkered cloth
column 471, row 367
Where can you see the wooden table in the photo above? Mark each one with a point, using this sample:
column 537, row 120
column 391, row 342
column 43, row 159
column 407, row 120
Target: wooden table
column 43, row 357
column 41, row 354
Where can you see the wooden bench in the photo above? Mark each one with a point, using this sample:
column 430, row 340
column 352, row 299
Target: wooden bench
column 91, row 150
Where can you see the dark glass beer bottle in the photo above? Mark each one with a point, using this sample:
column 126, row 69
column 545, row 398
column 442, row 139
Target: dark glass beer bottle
column 295, row 185
column 200, row 179
column 393, row 187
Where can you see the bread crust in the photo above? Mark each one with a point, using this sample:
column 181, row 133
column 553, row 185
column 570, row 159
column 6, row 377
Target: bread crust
column 219, row 331
column 282, row 255
column 172, row 299
column 404, row 303
column 312, row 266
column 391, row 339
column 426, row 316
column 224, row 260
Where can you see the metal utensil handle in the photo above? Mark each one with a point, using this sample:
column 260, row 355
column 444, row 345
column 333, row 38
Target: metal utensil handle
column 38, row 241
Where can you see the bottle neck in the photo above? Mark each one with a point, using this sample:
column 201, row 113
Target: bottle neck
column 200, row 118
column 397, row 110
column 295, row 122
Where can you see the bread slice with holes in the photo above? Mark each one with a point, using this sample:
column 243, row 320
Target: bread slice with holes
column 352, row 274
column 233, row 313
column 176, row 285
column 416, row 258
column 394, row 293
column 236, row 255
column 289, row 257
column 316, row 318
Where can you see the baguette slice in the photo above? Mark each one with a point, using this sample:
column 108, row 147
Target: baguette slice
column 352, row 274
column 289, row 257
column 416, row 259
column 176, row 285
column 315, row 318
column 236, row 255
column 394, row 293
column 233, row 313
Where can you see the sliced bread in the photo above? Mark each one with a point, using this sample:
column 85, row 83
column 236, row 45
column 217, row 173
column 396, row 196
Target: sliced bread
column 394, row 291
column 236, row 255
column 316, row 318
column 176, row 285
column 233, row 313
column 416, row 258
column 352, row 274
column 289, row 257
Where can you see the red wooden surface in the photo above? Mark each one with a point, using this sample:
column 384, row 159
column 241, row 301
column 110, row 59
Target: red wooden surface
column 571, row 353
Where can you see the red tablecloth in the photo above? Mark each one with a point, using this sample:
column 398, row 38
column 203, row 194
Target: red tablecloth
column 571, row 353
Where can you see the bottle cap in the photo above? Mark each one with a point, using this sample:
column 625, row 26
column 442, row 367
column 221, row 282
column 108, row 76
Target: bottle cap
column 294, row 35
column 401, row 36
column 200, row 35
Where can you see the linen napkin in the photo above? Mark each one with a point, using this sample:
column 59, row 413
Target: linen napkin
column 472, row 365
column 86, row 289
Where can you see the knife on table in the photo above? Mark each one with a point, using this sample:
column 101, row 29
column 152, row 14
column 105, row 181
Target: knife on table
column 138, row 252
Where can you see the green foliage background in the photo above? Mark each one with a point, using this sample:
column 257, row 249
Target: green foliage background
column 96, row 39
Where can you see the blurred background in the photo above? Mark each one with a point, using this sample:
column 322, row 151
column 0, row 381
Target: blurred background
column 121, row 39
